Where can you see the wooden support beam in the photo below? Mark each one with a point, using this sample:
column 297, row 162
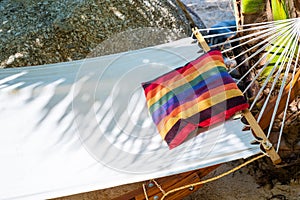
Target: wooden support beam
column 248, row 115
column 200, row 39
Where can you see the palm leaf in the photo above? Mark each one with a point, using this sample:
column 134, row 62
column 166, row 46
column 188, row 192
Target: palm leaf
column 279, row 13
column 279, row 10
column 252, row 6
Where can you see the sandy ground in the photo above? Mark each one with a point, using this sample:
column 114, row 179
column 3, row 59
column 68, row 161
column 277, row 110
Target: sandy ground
column 243, row 186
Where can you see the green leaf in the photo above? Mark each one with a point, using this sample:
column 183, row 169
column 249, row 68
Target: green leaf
column 279, row 13
column 252, row 6
column 279, row 10
column 277, row 50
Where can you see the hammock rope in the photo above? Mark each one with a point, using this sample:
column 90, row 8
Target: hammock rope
column 288, row 99
column 276, row 41
column 208, row 180
column 283, row 57
column 214, row 178
column 269, row 41
column 252, row 27
column 145, row 192
column 268, row 78
column 291, row 56
column 158, row 186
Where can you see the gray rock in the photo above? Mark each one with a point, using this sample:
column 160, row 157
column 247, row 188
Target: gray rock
column 82, row 25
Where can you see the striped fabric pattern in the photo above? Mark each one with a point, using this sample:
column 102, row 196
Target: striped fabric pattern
column 199, row 94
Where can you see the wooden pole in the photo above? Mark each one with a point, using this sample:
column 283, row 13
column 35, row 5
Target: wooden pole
column 247, row 114
column 260, row 133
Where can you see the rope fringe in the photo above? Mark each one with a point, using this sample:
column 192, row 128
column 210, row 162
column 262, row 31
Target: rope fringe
column 276, row 43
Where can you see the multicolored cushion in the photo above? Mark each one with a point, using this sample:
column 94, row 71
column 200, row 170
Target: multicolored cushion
column 199, row 94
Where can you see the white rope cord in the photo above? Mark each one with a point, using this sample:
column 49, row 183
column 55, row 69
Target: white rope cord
column 281, row 60
column 252, row 26
column 145, row 192
column 287, row 100
column 253, row 37
column 230, row 32
column 259, row 44
column 283, row 83
column 277, row 75
column 270, row 28
column 269, row 42
column 277, row 39
column 282, row 43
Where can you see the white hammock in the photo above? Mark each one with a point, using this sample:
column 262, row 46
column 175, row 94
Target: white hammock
column 74, row 127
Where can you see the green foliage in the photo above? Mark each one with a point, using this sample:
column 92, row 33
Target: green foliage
column 272, row 59
column 252, row 6
column 279, row 10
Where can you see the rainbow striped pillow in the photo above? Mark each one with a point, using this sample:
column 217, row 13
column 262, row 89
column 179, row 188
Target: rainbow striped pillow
column 199, row 94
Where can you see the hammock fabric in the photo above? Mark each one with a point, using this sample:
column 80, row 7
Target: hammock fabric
column 76, row 137
column 199, row 94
